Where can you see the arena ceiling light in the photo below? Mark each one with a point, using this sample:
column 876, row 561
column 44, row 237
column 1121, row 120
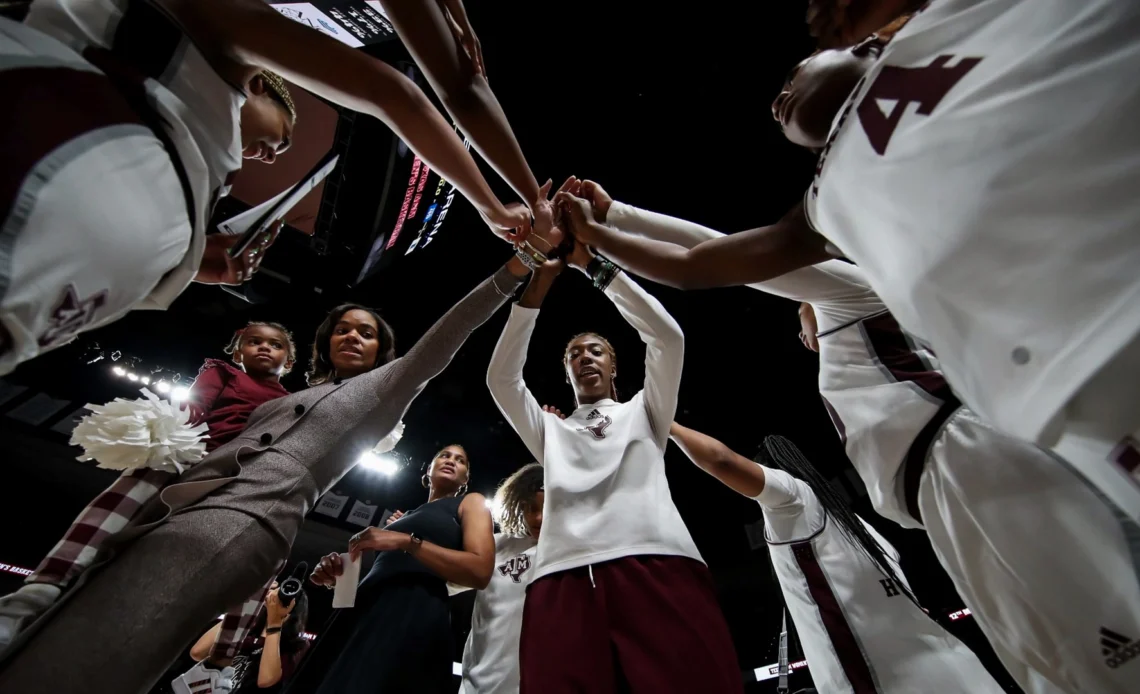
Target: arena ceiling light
column 385, row 464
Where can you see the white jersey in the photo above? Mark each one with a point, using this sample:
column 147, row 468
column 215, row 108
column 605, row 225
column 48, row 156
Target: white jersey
column 880, row 386
column 491, row 656
column 607, row 496
column 111, row 216
column 859, row 632
column 984, row 175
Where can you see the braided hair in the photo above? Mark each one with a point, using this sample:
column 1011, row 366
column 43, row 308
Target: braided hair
column 778, row 452
column 275, row 87
column 514, row 497
column 290, row 345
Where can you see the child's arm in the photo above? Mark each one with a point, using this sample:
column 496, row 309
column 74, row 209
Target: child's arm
column 206, row 389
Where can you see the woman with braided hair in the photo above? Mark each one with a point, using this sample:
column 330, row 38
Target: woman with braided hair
column 491, row 656
column 128, row 119
column 860, row 626
column 615, row 556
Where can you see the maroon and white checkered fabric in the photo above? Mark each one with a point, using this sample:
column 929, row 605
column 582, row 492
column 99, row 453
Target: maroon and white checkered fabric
column 106, row 515
column 238, row 624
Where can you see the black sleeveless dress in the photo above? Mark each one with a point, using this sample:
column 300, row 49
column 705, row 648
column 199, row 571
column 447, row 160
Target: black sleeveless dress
column 397, row 639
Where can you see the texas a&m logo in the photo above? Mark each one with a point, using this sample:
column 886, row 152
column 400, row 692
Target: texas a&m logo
column 71, row 315
column 515, row 567
column 896, row 88
column 597, row 429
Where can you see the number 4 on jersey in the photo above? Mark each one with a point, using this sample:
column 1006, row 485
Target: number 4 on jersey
column 925, row 86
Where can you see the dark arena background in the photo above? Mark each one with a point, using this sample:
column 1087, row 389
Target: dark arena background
column 669, row 110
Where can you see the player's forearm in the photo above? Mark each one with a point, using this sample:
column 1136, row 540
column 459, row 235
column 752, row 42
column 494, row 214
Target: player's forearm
column 536, row 290
column 730, row 468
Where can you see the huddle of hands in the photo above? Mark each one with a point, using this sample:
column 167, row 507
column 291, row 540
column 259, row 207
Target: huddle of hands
column 563, row 227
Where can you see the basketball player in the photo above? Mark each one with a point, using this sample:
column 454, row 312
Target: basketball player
column 959, row 202
column 926, row 460
column 491, row 656
column 860, row 628
column 122, row 130
column 615, row 557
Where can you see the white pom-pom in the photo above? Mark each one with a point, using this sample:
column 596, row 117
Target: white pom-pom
column 389, row 442
column 147, row 432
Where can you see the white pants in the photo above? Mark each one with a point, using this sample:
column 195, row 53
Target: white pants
column 92, row 213
column 1038, row 554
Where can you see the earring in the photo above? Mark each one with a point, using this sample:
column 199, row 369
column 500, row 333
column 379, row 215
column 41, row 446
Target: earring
column 425, row 481
column 462, row 490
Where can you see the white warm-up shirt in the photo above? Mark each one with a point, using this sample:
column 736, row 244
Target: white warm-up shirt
column 880, row 386
column 491, row 656
column 859, row 632
column 984, row 174
column 606, row 492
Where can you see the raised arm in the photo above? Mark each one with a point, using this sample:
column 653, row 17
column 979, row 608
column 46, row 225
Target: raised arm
column 744, row 258
column 255, row 35
column 459, row 80
column 504, row 374
column 664, row 341
column 406, row 377
column 828, row 281
column 774, row 489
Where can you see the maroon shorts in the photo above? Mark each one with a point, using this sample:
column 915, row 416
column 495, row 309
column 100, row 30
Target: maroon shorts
column 640, row 624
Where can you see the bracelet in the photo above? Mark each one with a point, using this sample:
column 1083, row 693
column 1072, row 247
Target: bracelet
column 602, row 271
column 530, row 256
column 269, row 631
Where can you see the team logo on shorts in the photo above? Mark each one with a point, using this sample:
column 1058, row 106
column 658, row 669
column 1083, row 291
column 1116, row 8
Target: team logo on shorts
column 1117, row 648
column 598, row 429
column 70, row 315
column 515, row 567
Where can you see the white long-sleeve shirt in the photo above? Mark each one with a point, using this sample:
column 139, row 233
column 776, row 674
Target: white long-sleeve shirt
column 879, row 385
column 606, row 492
column 859, row 632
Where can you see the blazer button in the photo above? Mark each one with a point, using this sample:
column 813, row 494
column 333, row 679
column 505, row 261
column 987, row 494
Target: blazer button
column 299, row 409
column 336, row 381
column 266, row 439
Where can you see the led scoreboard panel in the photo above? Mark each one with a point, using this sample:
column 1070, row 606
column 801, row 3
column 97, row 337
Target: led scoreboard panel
column 355, row 23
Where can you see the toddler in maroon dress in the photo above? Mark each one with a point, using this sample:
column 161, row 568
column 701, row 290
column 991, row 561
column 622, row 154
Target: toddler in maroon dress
column 223, row 396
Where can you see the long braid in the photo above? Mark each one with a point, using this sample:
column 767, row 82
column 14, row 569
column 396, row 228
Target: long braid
column 781, row 453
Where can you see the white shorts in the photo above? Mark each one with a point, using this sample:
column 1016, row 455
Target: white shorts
column 1040, row 557
column 92, row 212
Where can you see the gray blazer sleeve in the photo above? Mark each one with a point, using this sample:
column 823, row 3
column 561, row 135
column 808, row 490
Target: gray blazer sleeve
column 408, row 375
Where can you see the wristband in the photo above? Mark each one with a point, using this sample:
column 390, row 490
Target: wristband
column 602, row 271
column 530, row 256
column 272, row 630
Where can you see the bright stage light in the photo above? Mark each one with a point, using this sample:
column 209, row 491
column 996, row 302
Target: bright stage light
column 493, row 507
column 180, row 393
column 118, row 371
column 162, row 387
column 145, row 380
column 132, row 377
column 384, row 464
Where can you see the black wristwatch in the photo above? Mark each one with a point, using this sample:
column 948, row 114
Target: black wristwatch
column 416, row 541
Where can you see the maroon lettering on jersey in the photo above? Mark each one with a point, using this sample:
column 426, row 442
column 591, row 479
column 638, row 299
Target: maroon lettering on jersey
column 515, row 567
column 926, row 86
column 71, row 315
